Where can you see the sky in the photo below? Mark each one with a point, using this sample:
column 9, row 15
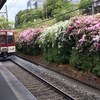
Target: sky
column 13, row 7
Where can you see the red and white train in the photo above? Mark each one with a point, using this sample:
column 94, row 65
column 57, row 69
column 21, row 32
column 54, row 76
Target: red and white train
column 7, row 43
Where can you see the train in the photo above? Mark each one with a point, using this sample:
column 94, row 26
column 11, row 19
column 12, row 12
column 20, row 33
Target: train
column 7, row 43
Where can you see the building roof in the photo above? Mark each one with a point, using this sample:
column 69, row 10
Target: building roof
column 2, row 2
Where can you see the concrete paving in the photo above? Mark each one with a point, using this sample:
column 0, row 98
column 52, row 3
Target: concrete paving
column 11, row 88
column 5, row 90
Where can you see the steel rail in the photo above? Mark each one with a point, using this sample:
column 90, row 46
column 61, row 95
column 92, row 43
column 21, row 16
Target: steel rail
column 67, row 96
column 61, row 73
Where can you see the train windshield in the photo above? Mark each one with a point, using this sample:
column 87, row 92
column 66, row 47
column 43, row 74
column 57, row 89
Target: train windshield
column 10, row 39
column 3, row 39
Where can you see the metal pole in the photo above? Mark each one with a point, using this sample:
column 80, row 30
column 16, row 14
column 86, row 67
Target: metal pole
column 92, row 6
column 7, row 15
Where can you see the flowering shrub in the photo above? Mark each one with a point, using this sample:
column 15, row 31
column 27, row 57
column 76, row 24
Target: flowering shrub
column 28, row 41
column 55, row 44
column 86, row 34
column 76, row 41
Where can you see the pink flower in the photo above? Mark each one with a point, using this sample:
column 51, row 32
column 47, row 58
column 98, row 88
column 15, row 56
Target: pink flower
column 27, row 35
column 70, row 28
column 83, row 38
column 78, row 21
column 79, row 31
column 91, row 28
column 97, row 45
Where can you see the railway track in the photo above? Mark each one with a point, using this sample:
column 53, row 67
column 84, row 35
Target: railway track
column 38, row 86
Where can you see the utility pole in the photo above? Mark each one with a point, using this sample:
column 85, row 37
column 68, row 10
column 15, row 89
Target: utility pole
column 92, row 6
column 6, row 14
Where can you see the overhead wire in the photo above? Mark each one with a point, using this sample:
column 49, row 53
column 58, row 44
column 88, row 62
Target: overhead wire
column 13, row 4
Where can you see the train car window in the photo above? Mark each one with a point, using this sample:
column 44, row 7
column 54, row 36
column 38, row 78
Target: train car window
column 3, row 40
column 10, row 39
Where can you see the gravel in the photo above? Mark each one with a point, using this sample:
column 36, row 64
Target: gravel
column 86, row 92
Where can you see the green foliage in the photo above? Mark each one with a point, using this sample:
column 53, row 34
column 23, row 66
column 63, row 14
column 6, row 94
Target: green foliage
column 56, row 8
column 28, row 17
column 96, row 64
column 81, row 61
column 51, row 9
column 52, row 55
column 85, row 5
column 55, row 44
column 96, row 70
column 86, row 61
column 49, row 6
column 85, row 54
column 4, row 24
column 30, row 49
column 59, row 51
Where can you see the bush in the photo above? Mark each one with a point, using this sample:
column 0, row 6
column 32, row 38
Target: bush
column 28, row 41
column 55, row 43
column 86, row 34
column 76, row 41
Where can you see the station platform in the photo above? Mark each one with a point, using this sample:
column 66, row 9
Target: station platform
column 11, row 88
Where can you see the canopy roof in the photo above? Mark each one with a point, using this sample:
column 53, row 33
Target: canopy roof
column 2, row 2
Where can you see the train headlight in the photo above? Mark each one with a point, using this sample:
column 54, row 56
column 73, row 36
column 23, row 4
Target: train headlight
column 3, row 49
column 12, row 48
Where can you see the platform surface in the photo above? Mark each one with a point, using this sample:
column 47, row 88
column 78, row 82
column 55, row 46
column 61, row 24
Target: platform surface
column 5, row 90
column 11, row 88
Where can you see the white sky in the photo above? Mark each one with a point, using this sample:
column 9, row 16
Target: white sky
column 14, row 6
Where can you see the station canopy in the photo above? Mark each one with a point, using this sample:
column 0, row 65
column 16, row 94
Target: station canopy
column 2, row 2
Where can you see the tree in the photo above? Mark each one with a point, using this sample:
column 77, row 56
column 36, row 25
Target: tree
column 4, row 24
column 50, row 6
column 51, row 9
column 85, row 5
column 27, row 17
column 59, row 9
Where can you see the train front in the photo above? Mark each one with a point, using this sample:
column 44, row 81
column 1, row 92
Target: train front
column 7, row 43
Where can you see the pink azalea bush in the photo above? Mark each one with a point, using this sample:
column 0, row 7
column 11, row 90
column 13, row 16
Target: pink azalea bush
column 85, row 31
column 28, row 41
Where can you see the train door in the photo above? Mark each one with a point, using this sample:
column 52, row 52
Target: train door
column 11, row 42
column 3, row 45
